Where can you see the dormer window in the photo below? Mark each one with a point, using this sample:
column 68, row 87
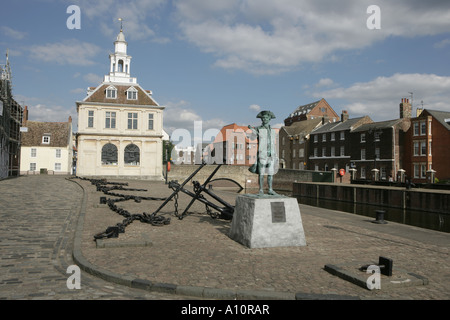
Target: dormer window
column 111, row 92
column 132, row 93
column 46, row 139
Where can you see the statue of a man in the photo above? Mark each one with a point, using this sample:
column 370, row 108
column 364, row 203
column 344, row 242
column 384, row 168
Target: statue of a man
column 267, row 157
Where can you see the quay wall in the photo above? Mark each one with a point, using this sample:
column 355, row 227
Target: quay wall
column 437, row 201
column 282, row 180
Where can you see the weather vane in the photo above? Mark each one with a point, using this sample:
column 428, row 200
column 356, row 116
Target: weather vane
column 120, row 19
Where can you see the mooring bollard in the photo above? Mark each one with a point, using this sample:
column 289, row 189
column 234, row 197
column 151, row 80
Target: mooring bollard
column 380, row 217
column 385, row 265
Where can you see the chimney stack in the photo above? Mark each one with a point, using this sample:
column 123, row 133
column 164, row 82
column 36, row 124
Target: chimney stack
column 25, row 116
column 344, row 115
column 405, row 109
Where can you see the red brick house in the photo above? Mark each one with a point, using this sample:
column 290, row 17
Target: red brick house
column 311, row 111
column 232, row 146
column 427, row 149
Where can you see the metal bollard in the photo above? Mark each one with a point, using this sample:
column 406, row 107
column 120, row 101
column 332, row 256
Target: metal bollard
column 380, row 217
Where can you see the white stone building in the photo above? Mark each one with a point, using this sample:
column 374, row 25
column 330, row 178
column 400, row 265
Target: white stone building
column 120, row 125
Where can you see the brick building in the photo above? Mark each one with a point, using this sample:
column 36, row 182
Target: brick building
column 294, row 143
column 427, row 147
column 330, row 144
column 311, row 111
column 232, row 146
column 377, row 149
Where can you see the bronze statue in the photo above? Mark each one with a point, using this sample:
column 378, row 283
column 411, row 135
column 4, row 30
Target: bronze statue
column 267, row 157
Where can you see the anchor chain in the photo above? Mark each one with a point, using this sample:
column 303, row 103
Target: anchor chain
column 113, row 231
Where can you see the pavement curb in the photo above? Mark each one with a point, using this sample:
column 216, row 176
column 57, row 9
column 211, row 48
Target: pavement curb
column 190, row 291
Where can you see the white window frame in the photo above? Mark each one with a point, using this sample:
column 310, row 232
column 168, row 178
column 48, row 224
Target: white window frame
column 58, row 153
column 416, row 128
column 46, row 139
column 133, row 117
column 33, row 153
column 423, row 128
column 363, row 138
column 91, row 114
column 423, row 148
column 416, row 148
column 111, row 116
column 111, row 92
column 151, row 122
column 132, row 93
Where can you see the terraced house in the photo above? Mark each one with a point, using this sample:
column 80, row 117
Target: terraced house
column 330, row 144
column 427, row 147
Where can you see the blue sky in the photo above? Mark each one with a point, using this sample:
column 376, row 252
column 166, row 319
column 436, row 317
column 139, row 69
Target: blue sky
column 221, row 62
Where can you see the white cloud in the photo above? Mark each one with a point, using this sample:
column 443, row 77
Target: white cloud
column 442, row 43
column 325, row 82
column 78, row 90
column 380, row 97
column 136, row 16
column 180, row 118
column 50, row 113
column 12, row 33
column 255, row 107
column 265, row 36
column 72, row 52
column 92, row 78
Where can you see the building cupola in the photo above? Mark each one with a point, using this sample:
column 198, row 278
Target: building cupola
column 120, row 61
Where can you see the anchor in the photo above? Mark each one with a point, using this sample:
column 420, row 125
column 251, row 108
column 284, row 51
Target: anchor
column 225, row 212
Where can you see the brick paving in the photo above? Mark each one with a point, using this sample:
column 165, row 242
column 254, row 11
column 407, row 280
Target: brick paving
column 39, row 217
column 197, row 252
column 40, row 226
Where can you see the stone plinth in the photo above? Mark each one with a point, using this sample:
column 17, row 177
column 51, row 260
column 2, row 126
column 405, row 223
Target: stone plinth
column 267, row 221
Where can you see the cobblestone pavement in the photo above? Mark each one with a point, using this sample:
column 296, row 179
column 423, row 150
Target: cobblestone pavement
column 39, row 215
column 195, row 252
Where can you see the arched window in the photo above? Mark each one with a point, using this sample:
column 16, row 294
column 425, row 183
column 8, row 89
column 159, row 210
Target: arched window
column 132, row 156
column 120, row 66
column 109, row 154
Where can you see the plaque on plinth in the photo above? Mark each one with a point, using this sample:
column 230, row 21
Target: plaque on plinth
column 267, row 221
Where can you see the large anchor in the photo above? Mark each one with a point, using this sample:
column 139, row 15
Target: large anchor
column 225, row 212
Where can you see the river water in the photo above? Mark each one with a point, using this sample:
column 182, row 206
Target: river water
column 427, row 220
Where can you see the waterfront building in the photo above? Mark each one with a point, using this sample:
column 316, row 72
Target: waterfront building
column 311, row 111
column 427, row 147
column 120, row 125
